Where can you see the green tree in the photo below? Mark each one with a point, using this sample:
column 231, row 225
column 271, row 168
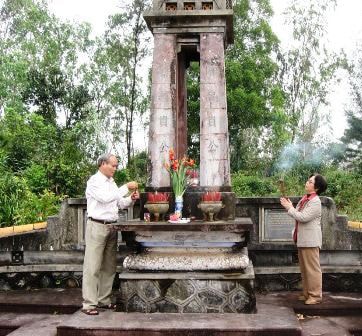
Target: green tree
column 254, row 99
column 52, row 146
column 126, row 46
column 307, row 68
column 193, row 110
column 353, row 134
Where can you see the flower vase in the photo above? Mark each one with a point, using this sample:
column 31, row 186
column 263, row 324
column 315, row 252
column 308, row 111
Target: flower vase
column 179, row 205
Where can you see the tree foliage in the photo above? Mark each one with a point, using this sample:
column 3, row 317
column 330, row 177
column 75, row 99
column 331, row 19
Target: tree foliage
column 254, row 99
column 61, row 95
column 353, row 134
column 65, row 98
column 307, row 69
column 43, row 106
column 121, row 54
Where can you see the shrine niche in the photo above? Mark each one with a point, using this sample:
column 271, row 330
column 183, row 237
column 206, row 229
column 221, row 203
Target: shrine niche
column 189, row 6
column 207, row 6
column 171, row 6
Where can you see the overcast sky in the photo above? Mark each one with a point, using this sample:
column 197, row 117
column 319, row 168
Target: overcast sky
column 344, row 30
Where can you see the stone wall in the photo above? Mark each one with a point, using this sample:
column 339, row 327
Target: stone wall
column 275, row 263
column 341, row 246
column 65, row 231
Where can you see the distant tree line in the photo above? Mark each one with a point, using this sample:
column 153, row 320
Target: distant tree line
column 66, row 97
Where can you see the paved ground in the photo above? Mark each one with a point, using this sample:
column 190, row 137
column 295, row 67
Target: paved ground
column 40, row 312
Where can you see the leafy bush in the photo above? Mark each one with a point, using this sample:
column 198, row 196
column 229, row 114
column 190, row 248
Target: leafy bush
column 19, row 205
column 346, row 189
column 246, row 185
column 36, row 177
column 37, row 208
column 122, row 176
column 137, row 168
column 12, row 192
column 136, row 171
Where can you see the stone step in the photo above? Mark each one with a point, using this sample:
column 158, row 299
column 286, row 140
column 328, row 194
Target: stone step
column 331, row 326
column 334, row 304
column 40, row 327
column 30, row 324
column 317, row 319
column 270, row 320
column 42, row 301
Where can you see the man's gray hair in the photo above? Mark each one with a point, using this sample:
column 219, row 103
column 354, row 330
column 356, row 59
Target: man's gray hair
column 104, row 158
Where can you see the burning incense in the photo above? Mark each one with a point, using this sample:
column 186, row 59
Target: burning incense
column 282, row 186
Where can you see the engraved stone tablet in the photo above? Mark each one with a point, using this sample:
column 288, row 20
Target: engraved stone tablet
column 276, row 226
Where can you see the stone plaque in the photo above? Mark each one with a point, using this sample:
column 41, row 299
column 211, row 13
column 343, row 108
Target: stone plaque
column 276, row 225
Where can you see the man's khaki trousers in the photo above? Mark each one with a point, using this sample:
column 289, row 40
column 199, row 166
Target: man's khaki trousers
column 311, row 272
column 100, row 262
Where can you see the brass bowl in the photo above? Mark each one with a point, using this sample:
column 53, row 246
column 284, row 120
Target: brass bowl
column 210, row 209
column 157, row 209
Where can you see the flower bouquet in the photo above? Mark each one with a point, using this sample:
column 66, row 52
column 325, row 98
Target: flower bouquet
column 179, row 174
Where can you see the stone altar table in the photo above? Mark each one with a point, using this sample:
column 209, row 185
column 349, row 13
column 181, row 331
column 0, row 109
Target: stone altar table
column 196, row 267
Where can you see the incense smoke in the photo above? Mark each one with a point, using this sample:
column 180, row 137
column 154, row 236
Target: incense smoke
column 308, row 154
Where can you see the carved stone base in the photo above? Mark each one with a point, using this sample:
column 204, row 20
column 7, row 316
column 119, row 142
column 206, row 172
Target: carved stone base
column 187, row 260
column 186, row 296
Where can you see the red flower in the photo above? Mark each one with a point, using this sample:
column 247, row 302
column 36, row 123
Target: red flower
column 175, row 165
column 171, row 154
column 178, row 172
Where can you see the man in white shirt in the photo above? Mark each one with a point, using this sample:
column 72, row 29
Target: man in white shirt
column 104, row 199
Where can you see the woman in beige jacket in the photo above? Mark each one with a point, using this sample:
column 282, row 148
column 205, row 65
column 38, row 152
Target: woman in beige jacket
column 308, row 237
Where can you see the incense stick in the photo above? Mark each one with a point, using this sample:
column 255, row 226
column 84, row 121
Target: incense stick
column 282, row 186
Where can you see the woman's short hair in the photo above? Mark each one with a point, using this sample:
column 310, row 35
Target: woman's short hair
column 104, row 158
column 320, row 183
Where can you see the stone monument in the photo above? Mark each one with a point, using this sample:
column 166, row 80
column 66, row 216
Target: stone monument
column 200, row 266
column 186, row 31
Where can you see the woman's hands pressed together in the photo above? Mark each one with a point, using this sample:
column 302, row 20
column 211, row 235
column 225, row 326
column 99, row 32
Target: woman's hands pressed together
column 286, row 203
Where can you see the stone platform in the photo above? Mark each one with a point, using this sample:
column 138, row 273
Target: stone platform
column 237, row 225
column 279, row 313
column 195, row 267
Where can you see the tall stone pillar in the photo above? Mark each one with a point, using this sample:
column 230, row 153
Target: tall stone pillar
column 214, row 143
column 186, row 31
column 163, row 105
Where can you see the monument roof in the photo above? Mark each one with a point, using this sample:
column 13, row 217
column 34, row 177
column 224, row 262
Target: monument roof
column 176, row 16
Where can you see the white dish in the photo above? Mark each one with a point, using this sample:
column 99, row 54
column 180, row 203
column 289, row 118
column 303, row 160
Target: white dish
column 180, row 221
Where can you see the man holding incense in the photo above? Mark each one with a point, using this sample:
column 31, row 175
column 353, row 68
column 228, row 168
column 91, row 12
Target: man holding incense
column 104, row 198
